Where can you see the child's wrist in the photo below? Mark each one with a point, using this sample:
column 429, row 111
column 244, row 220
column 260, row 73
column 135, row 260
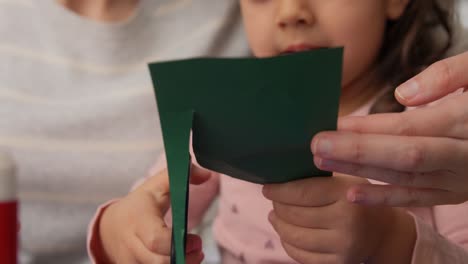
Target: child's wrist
column 398, row 244
column 99, row 248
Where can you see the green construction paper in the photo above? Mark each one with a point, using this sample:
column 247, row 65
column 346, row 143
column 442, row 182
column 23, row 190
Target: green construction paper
column 176, row 142
column 252, row 119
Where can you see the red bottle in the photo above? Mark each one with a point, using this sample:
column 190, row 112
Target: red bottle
column 8, row 212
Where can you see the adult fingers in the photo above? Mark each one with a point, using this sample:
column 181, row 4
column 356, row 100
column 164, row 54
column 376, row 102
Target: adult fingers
column 401, row 153
column 317, row 240
column 437, row 179
column 435, row 82
column 444, row 120
column 401, row 196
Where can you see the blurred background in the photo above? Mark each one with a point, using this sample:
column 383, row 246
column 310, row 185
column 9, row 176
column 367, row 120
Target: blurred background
column 464, row 12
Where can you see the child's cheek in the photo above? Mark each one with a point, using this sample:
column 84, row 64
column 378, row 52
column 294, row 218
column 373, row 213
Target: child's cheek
column 362, row 40
column 262, row 45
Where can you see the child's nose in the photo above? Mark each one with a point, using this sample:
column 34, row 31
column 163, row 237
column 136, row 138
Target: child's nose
column 294, row 13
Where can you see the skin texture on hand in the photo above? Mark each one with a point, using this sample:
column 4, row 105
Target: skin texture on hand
column 133, row 229
column 317, row 224
column 422, row 153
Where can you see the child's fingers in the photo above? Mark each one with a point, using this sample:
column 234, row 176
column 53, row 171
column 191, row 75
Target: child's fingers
column 316, row 240
column 158, row 182
column 440, row 79
column 307, row 257
column 194, row 258
column 142, row 255
column 199, row 175
column 156, row 239
column 157, row 187
column 402, row 197
column 127, row 259
column 194, row 244
column 309, row 217
column 306, row 192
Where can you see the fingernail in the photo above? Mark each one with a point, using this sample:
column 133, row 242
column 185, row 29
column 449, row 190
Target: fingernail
column 357, row 197
column 325, row 164
column 408, row 90
column 322, row 147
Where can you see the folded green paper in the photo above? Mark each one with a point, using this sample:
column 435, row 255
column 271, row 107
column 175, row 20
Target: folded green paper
column 251, row 119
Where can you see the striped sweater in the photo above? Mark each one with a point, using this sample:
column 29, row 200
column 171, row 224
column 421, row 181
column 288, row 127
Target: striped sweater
column 77, row 109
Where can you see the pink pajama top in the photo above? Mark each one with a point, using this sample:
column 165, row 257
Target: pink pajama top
column 244, row 234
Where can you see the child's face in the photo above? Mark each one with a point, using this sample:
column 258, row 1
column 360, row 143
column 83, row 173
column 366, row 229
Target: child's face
column 281, row 26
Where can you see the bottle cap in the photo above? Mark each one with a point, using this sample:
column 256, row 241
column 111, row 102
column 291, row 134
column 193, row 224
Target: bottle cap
column 7, row 178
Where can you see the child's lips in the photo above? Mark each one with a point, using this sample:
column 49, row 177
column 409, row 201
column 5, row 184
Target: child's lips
column 299, row 48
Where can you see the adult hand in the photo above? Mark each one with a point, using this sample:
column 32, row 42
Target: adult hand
column 133, row 230
column 422, row 153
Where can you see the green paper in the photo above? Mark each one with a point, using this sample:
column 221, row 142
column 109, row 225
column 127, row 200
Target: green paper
column 176, row 142
column 251, row 119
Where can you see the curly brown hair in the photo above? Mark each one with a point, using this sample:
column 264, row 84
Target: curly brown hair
column 420, row 37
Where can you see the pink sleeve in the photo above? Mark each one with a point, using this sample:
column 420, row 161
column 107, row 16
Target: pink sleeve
column 447, row 242
column 94, row 247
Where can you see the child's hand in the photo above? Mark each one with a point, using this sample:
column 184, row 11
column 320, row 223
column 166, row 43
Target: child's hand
column 317, row 224
column 133, row 229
